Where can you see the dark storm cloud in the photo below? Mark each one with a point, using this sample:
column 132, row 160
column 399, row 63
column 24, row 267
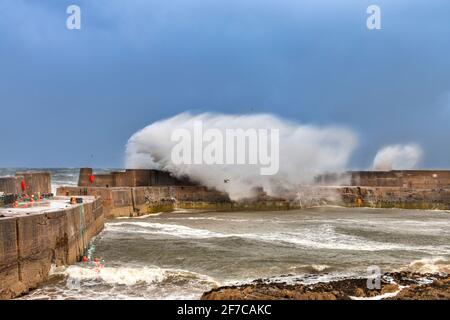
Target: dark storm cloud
column 67, row 95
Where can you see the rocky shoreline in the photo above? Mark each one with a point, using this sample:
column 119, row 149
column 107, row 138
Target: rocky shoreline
column 394, row 286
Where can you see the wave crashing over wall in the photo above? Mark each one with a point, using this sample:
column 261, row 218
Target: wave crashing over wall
column 304, row 151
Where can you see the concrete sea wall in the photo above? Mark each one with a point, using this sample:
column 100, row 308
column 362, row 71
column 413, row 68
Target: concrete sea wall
column 130, row 178
column 417, row 179
column 9, row 185
column 373, row 197
column 34, row 181
column 135, row 201
column 137, row 192
column 129, row 202
column 395, row 197
column 31, row 242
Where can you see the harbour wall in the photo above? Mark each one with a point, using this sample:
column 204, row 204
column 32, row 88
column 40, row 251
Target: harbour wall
column 412, row 179
column 130, row 178
column 136, row 201
column 396, row 197
column 136, row 192
column 129, row 202
column 30, row 243
column 35, row 182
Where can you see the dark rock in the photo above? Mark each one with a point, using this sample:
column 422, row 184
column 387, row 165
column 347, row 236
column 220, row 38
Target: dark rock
column 339, row 290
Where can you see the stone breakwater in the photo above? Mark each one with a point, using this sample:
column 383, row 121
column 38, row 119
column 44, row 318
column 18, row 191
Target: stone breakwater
column 26, row 182
column 136, row 192
column 136, row 201
column 34, row 239
column 394, row 286
column 396, row 197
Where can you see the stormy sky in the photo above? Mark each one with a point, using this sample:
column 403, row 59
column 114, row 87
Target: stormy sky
column 74, row 97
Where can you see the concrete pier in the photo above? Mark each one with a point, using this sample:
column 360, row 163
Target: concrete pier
column 32, row 239
column 130, row 202
column 136, row 201
column 130, row 178
column 34, row 182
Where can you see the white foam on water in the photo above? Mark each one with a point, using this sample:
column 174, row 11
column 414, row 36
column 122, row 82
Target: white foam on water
column 319, row 267
column 325, row 237
column 319, row 237
column 381, row 296
column 161, row 228
column 121, row 275
column 127, row 275
column 430, row 265
column 315, row 267
column 194, row 218
column 156, row 214
column 229, row 220
column 309, row 279
column 402, row 226
column 84, row 281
